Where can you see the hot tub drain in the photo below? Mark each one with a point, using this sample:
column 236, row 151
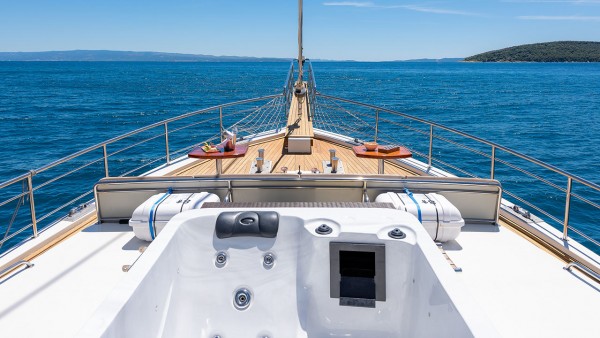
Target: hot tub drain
column 242, row 299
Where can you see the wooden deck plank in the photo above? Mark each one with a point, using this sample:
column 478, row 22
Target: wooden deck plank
column 299, row 125
column 274, row 152
column 242, row 166
column 195, row 168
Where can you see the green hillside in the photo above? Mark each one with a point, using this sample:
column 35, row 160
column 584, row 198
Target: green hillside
column 559, row 51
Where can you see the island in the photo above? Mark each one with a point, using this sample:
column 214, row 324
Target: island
column 559, row 51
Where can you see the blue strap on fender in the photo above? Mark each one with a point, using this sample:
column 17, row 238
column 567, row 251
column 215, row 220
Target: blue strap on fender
column 153, row 211
column 410, row 194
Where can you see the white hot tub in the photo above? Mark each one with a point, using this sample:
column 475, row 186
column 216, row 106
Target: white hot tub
column 350, row 280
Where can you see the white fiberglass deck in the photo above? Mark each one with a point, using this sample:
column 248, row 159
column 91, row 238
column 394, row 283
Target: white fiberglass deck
column 68, row 282
column 521, row 288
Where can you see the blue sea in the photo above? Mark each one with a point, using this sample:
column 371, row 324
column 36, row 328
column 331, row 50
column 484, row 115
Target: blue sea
column 49, row 110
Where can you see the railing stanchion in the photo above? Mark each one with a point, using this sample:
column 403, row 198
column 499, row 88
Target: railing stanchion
column 430, row 158
column 32, row 204
column 221, row 123
column 567, row 208
column 168, row 155
column 493, row 167
column 376, row 124
column 105, row 160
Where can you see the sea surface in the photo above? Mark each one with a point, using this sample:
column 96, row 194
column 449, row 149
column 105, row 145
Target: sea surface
column 49, row 110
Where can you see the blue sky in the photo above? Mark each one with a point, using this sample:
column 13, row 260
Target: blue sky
column 360, row 30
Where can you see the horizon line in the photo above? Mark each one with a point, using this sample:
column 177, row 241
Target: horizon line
column 212, row 55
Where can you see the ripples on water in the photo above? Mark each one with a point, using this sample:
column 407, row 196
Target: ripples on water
column 549, row 111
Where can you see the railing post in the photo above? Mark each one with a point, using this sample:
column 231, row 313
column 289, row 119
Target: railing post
column 567, row 208
column 168, row 155
column 32, row 204
column 376, row 124
column 493, row 168
column 430, row 158
column 221, row 123
column 105, row 160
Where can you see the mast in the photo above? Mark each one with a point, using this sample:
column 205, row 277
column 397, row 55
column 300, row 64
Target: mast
column 299, row 83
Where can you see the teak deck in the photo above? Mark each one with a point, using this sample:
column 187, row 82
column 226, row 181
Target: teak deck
column 275, row 152
column 298, row 124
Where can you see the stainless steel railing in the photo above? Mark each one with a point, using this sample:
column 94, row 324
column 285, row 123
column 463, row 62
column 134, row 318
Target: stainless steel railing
column 312, row 89
column 288, row 87
column 330, row 113
column 583, row 268
column 250, row 119
column 11, row 267
column 344, row 115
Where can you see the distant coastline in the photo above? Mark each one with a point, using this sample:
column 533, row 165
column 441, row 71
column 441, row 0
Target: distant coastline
column 559, row 51
column 127, row 56
column 130, row 56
